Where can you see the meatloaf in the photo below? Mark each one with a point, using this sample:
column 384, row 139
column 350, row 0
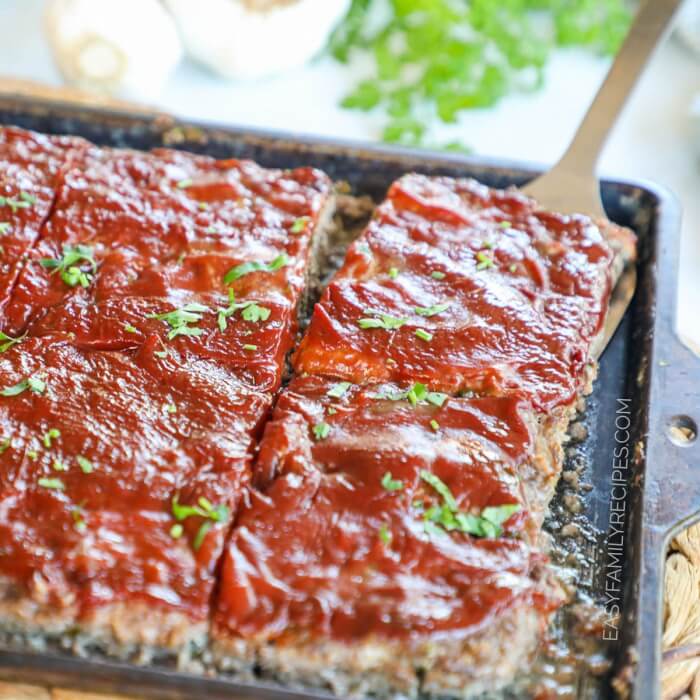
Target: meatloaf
column 144, row 336
column 367, row 519
column 392, row 540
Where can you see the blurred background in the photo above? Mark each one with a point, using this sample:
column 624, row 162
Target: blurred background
column 509, row 79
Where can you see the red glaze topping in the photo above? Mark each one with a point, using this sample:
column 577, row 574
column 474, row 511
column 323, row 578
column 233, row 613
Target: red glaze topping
column 525, row 293
column 337, row 545
column 30, row 165
column 108, row 440
column 163, row 231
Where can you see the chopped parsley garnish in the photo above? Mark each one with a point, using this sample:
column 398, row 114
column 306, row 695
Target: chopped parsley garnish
column 438, row 58
column 59, row 466
column 176, row 531
column 393, row 272
column 437, row 275
column 4, row 227
column 431, row 310
column 505, row 224
column 418, row 393
column 321, row 430
column 250, row 311
column 184, row 184
column 181, row 320
column 51, row 483
column 391, row 484
column 385, row 534
column 52, row 434
column 338, row 390
column 5, row 444
column 438, row 520
column 170, row 408
column 204, row 509
column 300, row 224
column 513, row 267
column 388, row 323
column 440, row 487
column 85, row 464
column 25, row 201
column 71, row 264
column 78, row 519
column 434, row 425
column 424, row 335
column 6, row 341
column 243, row 269
column 34, row 384
column 484, row 261
column 254, row 313
column 250, row 348
column 129, row 328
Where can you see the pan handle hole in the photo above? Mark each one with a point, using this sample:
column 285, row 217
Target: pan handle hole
column 682, row 430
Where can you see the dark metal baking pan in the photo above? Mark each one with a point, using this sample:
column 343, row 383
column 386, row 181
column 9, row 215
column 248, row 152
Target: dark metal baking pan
column 642, row 486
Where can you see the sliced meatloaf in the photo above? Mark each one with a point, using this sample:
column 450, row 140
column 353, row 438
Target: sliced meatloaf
column 119, row 475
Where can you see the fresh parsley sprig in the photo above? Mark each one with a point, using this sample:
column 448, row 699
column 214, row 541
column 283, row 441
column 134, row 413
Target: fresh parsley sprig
column 34, row 384
column 418, row 393
column 6, row 341
column 181, row 320
column 203, row 509
column 25, row 201
column 251, row 311
column 235, row 273
column 377, row 319
column 446, row 517
column 72, row 263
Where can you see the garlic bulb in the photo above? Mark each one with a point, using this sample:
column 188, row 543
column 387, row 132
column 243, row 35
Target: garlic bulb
column 255, row 38
column 117, row 47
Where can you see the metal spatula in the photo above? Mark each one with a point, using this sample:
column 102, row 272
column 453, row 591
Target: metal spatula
column 572, row 186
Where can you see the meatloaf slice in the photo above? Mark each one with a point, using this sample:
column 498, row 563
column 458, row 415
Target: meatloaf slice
column 30, row 169
column 119, row 475
column 360, row 562
column 168, row 230
column 329, row 580
column 465, row 288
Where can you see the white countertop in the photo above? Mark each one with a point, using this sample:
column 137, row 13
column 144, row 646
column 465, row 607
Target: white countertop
column 655, row 139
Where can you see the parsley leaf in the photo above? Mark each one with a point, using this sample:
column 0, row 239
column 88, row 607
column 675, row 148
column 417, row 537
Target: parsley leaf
column 440, row 487
column 385, row 534
column 72, row 263
column 6, row 341
column 181, row 320
column 25, row 201
column 34, row 384
column 300, row 224
column 431, row 310
column 55, row 484
column 85, row 464
column 484, row 261
column 388, row 323
column 418, row 393
column 52, row 434
column 339, row 390
column 321, row 430
column 243, row 269
column 391, row 484
column 204, row 509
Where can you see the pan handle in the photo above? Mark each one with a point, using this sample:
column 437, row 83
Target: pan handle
column 669, row 449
